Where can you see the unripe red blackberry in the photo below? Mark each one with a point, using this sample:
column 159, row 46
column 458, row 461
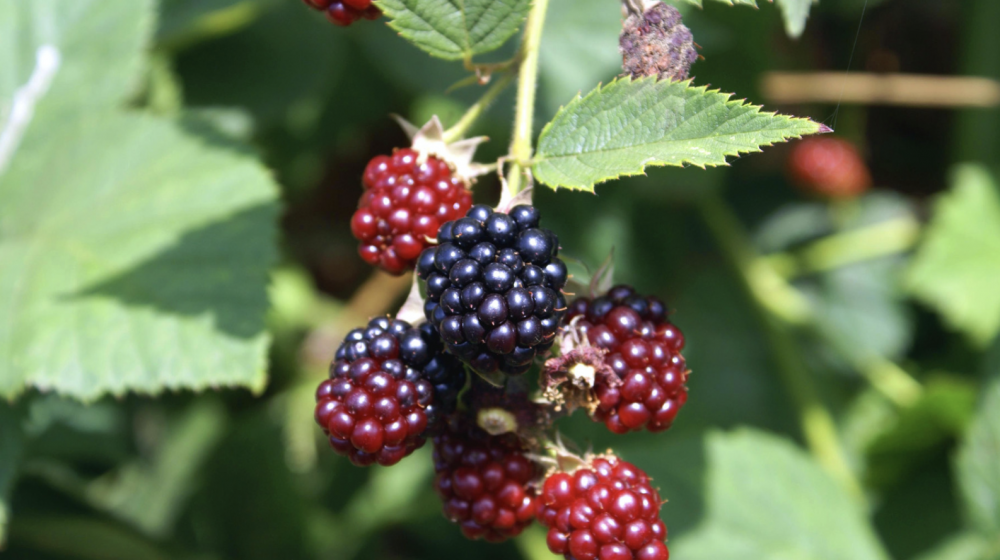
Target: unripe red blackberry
column 494, row 288
column 828, row 166
column 484, row 483
column 404, row 203
column 388, row 383
column 643, row 350
column 604, row 510
column 346, row 12
column 656, row 43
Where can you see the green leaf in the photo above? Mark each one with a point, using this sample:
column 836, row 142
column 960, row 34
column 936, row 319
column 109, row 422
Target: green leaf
column 99, row 43
column 767, row 499
column 979, row 468
column 139, row 262
column 11, row 445
column 944, row 410
column 965, row 546
column 133, row 254
column 621, row 128
column 455, row 30
column 795, row 13
column 149, row 493
column 956, row 267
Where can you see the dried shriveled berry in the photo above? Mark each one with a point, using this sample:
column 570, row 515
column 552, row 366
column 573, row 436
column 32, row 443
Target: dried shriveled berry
column 656, row 43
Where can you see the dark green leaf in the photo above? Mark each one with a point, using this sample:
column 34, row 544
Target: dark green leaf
column 455, row 30
column 979, row 466
column 767, row 499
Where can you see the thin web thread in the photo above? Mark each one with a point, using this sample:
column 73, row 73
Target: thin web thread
column 850, row 60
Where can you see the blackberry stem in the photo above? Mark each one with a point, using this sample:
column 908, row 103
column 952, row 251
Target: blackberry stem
column 767, row 281
column 818, row 426
column 886, row 238
column 527, row 84
column 463, row 125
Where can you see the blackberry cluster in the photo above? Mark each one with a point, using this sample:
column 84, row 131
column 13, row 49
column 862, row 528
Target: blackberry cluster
column 404, row 203
column 346, row 12
column 605, row 510
column 494, row 288
column 387, row 384
column 483, row 482
column 643, row 349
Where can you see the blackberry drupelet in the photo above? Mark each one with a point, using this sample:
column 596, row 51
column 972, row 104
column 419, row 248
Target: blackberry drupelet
column 494, row 288
column 388, row 383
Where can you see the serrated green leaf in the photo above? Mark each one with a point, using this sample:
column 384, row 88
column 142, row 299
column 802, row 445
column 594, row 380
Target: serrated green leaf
column 133, row 254
column 621, row 128
column 795, row 13
column 455, row 29
column 956, row 267
column 132, row 257
column 767, row 499
column 979, row 468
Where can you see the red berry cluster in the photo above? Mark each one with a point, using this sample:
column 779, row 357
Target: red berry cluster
column 377, row 403
column 346, row 12
column 605, row 510
column 828, row 166
column 484, row 481
column 643, row 349
column 405, row 202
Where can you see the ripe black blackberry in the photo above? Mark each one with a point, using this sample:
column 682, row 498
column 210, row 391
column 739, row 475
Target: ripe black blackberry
column 494, row 288
column 388, row 383
column 643, row 350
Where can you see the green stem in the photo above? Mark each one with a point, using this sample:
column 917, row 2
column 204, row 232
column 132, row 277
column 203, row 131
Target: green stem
column 818, row 427
column 527, row 84
column 477, row 109
column 886, row 238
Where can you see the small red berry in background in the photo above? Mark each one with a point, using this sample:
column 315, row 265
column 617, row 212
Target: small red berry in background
column 404, row 203
column 346, row 12
column 828, row 166
column 604, row 510
column 483, row 481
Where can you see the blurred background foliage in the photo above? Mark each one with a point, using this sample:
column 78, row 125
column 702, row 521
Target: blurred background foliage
column 899, row 347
